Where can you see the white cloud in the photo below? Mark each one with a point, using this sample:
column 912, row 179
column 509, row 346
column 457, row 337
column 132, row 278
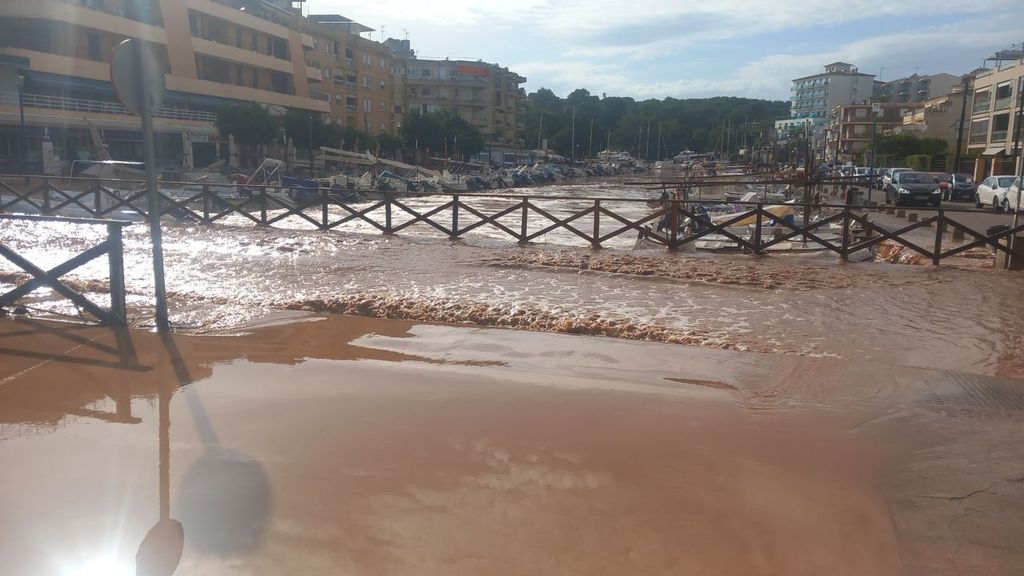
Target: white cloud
column 640, row 51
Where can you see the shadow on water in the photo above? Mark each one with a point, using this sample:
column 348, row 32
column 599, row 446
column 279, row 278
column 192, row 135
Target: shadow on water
column 223, row 501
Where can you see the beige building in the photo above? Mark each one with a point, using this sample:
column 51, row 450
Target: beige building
column 938, row 118
column 486, row 95
column 849, row 134
column 993, row 111
column 359, row 74
column 213, row 52
column 916, row 88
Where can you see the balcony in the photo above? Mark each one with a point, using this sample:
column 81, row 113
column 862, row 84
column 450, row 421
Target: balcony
column 100, row 107
column 1003, row 103
column 978, row 138
column 982, row 106
column 999, row 136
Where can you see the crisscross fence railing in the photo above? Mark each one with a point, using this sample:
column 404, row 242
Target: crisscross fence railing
column 752, row 227
column 112, row 247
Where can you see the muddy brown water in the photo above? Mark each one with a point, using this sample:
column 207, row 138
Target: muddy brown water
column 352, row 445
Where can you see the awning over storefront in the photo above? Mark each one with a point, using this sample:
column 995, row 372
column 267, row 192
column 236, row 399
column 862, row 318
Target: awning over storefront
column 993, row 151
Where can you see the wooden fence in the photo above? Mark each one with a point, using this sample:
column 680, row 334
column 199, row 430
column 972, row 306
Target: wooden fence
column 462, row 214
column 112, row 247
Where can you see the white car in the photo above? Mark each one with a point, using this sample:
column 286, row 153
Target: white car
column 994, row 191
column 1012, row 194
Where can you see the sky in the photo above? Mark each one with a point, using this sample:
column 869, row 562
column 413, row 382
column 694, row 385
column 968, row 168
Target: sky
column 694, row 49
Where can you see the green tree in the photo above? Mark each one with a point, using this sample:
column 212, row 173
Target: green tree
column 298, row 124
column 250, row 124
column 442, row 130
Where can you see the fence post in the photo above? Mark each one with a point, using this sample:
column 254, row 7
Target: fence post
column 324, row 216
column 937, row 254
column 206, row 203
column 115, row 258
column 47, row 206
column 757, row 228
column 844, row 251
column 263, row 206
column 595, row 242
column 674, row 223
column 522, row 229
column 455, row 217
column 387, row 213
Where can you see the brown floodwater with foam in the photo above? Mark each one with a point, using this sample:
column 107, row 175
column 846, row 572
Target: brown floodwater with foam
column 224, row 277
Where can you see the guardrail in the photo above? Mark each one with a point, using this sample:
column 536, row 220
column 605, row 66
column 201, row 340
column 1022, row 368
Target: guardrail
column 100, row 107
column 112, row 247
column 753, row 227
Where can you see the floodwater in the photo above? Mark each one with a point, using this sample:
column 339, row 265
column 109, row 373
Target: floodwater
column 360, row 446
column 750, row 416
column 226, row 277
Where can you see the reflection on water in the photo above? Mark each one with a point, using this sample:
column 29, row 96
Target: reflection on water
column 224, row 277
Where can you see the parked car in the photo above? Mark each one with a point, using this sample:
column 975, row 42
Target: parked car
column 961, row 188
column 994, row 191
column 909, row 187
column 1012, row 194
column 887, row 180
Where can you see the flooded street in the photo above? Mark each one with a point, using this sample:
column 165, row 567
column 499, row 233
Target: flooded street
column 228, row 277
column 351, row 402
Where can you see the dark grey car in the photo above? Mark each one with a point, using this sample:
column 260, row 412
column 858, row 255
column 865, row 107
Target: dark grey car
column 914, row 188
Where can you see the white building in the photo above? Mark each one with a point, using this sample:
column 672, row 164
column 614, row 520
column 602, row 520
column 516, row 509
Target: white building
column 812, row 98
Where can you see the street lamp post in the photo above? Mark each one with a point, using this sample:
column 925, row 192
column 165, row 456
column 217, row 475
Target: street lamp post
column 22, row 144
column 875, row 109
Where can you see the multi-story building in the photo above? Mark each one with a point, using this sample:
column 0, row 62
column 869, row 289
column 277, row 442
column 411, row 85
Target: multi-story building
column 358, row 73
column 213, row 52
column 812, row 99
column 849, row 135
column 915, row 88
column 993, row 113
column 486, row 95
column 937, row 118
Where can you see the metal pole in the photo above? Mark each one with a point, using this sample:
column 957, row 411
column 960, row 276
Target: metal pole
column 162, row 322
column 960, row 126
column 309, row 145
column 23, row 144
column 590, row 147
column 871, row 169
column 572, row 145
column 1020, row 172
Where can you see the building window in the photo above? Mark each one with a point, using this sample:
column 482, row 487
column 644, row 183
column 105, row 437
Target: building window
column 1000, row 126
column 425, row 91
column 979, row 131
column 383, row 107
column 1004, row 92
column 426, row 72
column 367, row 105
column 982, row 101
column 366, row 60
column 383, row 64
column 93, row 40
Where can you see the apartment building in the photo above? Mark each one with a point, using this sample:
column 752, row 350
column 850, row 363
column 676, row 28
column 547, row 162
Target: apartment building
column 993, row 115
column 813, row 98
column 486, row 95
column 849, row 134
column 359, row 74
column 213, row 52
column 937, row 118
column 916, row 88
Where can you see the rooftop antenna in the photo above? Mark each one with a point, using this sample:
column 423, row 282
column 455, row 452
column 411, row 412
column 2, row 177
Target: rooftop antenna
column 406, row 32
column 382, row 32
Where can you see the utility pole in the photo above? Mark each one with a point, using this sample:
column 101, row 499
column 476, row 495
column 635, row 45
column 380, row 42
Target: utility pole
column 1020, row 169
column 875, row 108
column 309, row 145
column 960, row 126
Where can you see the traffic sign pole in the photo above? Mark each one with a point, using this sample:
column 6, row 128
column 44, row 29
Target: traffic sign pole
column 139, row 83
